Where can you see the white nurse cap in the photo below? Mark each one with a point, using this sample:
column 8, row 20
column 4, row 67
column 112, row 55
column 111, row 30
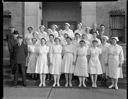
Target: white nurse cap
column 67, row 24
column 105, row 37
column 116, row 38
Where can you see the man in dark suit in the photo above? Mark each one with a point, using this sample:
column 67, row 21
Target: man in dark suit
column 101, row 31
column 10, row 39
column 94, row 29
column 20, row 53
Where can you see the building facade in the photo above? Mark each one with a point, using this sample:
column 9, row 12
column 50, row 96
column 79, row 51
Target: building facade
column 24, row 14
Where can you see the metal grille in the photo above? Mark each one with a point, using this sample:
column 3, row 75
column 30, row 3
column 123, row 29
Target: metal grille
column 117, row 24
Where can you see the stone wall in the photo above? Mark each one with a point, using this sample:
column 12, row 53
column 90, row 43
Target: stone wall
column 16, row 9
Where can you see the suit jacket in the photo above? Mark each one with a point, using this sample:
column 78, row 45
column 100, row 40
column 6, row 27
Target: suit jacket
column 20, row 53
column 11, row 42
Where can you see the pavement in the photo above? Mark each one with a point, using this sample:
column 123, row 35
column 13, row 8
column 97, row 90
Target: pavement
column 32, row 91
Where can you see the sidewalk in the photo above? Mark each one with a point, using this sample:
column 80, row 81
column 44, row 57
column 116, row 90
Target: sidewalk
column 63, row 93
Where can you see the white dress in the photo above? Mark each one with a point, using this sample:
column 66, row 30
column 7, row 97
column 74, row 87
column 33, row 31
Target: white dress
column 68, row 58
column 103, row 57
column 32, row 59
column 69, row 32
column 81, row 68
column 28, row 38
column 42, row 64
column 94, row 62
column 56, row 59
column 114, row 58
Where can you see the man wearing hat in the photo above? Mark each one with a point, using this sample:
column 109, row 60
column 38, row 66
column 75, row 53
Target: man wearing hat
column 20, row 52
column 9, row 38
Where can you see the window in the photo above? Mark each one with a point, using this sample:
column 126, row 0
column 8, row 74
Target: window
column 117, row 24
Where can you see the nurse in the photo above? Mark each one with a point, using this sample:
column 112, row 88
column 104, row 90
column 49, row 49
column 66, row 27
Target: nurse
column 94, row 37
column 55, row 61
column 104, row 46
column 76, row 40
column 67, row 62
column 29, row 36
column 32, row 57
column 68, row 31
column 79, row 29
column 41, row 64
column 94, row 62
column 114, row 61
column 81, row 68
column 53, row 30
column 42, row 33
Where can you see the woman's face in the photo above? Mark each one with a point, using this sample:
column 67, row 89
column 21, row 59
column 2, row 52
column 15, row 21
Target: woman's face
column 113, row 41
column 51, row 38
column 42, row 28
column 104, row 40
column 102, row 28
column 43, row 42
column 82, row 44
column 95, row 44
column 65, row 35
column 53, row 27
column 77, row 36
column 79, row 26
column 68, row 40
column 57, row 41
column 35, row 35
column 30, row 30
column 83, row 36
column 66, row 27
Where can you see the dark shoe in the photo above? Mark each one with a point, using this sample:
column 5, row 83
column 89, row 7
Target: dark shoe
column 15, row 84
column 24, row 85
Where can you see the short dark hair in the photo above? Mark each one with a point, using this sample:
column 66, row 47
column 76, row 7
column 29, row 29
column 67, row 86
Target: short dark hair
column 94, row 41
column 57, row 38
column 82, row 41
column 102, row 25
column 29, row 27
column 43, row 39
column 69, row 38
column 51, row 35
column 77, row 34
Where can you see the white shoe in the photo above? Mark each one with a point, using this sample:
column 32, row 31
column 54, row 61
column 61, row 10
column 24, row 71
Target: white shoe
column 84, row 84
column 40, row 84
column 58, row 84
column 93, row 85
column 44, row 84
column 110, row 86
column 116, row 87
column 66, row 85
column 79, row 85
column 70, row 85
column 54, row 84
